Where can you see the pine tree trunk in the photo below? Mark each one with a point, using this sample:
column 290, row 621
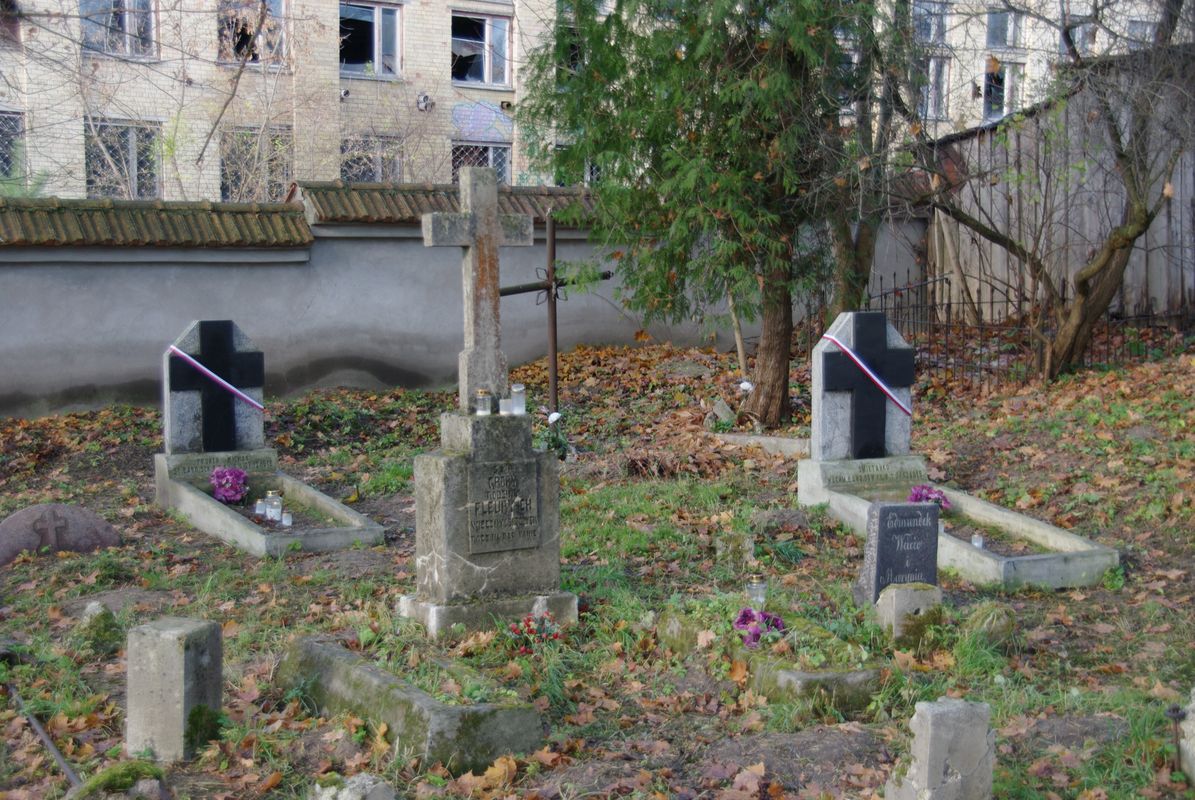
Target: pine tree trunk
column 769, row 399
column 853, row 257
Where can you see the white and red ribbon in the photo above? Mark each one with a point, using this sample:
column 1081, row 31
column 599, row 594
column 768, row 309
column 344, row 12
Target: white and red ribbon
column 867, row 371
column 223, row 384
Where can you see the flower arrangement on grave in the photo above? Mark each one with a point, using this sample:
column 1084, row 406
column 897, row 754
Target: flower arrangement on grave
column 928, row 494
column 229, row 484
column 533, row 632
column 758, row 626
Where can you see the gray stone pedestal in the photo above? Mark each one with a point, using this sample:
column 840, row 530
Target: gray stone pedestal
column 953, row 753
column 487, row 527
column 175, row 682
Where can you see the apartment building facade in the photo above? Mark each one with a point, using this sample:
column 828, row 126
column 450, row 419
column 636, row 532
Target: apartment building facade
column 235, row 99
column 979, row 62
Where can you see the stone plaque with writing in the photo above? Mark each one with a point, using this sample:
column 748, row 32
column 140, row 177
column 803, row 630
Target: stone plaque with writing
column 902, row 547
column 197, row 467
column 503, row 506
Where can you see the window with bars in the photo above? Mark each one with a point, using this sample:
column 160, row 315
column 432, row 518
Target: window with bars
column 369, row 39
column 930, row 81
column 479, row 49
column 255, row 164
column 371, row 159
column 482, row 155
column 12, row 145
column 118, row 27
column 245, row 32
column 929, row 21
column 122, row 159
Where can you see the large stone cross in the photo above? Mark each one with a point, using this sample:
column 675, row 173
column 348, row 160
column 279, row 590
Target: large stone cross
column 480, row 230
column 868, row 430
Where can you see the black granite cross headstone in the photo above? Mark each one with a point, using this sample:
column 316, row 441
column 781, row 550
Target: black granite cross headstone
column 244, row 370
column 869, row 408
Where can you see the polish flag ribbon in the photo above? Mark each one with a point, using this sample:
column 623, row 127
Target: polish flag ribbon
column 223, row 384
column 867, row 371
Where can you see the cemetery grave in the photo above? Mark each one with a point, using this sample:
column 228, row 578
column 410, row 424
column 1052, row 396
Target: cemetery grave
column 1077, row 681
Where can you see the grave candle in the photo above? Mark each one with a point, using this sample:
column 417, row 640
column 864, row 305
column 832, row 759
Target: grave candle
column 757, row 591
column 505, row 406
column 273, row 506
column 481, row 403
column 518, row 399
column 287, row 519
column 259, row 508
column 977, row 540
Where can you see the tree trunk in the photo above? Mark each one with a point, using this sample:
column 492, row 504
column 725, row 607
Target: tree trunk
column 769, row 399
column 853, row 257
column 1082, row 314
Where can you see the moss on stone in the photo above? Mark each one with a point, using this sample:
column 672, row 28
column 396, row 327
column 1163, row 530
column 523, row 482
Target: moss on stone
column 203, row 725
column 917, row 627
column 119, row 778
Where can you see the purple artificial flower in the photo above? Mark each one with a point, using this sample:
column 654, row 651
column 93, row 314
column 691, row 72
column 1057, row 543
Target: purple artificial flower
column 928, row 494
column 229, row 484
column 772, row 622
column 746, row 617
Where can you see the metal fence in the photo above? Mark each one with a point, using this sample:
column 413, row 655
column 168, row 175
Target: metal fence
column 989, row 354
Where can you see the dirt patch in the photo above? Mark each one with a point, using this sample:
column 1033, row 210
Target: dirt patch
column 840, row 760
column 353, row 563
column 1072, row 731
column 396, row 514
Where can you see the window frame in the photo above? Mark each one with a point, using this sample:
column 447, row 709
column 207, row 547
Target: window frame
column 378, row 149
column 95, row 12
column 935, row 11
column 505, row 176
column 1134, row 29
column 507, row 80
column 1083, row 30
column 933, row 79
column 132, row 178
column 1012, row 29
column 262, row 52
column 378, row 39
column 1011, row 75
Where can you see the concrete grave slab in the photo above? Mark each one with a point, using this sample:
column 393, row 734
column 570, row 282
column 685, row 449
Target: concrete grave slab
column 462, row 737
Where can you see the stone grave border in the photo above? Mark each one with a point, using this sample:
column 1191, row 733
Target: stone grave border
column 177, row 478
column 1075, row 562
column 462, row 737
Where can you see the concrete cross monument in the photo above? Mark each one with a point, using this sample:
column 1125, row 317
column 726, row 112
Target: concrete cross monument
column 487, row 506
column 480, row 230
column 862, row 411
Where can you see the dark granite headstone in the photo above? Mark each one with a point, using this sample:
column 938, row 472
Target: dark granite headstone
column 54, row 526
column 199, row 414
column 902, row 547
column 894, row 366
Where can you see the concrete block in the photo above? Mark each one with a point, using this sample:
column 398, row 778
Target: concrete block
column 175, row 682
column 899, row 601
column 953, row 753
column 1186, row 746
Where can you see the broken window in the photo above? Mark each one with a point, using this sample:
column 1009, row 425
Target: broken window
column 479, row 49
column 1001, row 86
column 120, row 27
column 371, row 159
column 369, row 39
column 121, row 159
column 482, row 155
column 255, row 164
column 251, row 31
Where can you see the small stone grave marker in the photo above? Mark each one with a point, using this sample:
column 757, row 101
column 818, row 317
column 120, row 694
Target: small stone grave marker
column 902, row 547
column 55, row 527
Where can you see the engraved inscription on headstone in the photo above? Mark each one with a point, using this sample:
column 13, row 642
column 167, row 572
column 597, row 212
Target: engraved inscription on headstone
column 199, row 467
column 503, row 506
column 902, row 547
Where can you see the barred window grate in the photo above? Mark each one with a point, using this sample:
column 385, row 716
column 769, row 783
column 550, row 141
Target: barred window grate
column 481, row 155
column 371, row 159
column 12, row 140
column 255, row 164
column 122, row 160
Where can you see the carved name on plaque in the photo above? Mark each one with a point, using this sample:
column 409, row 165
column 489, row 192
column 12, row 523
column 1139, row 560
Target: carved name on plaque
column 503, row 506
